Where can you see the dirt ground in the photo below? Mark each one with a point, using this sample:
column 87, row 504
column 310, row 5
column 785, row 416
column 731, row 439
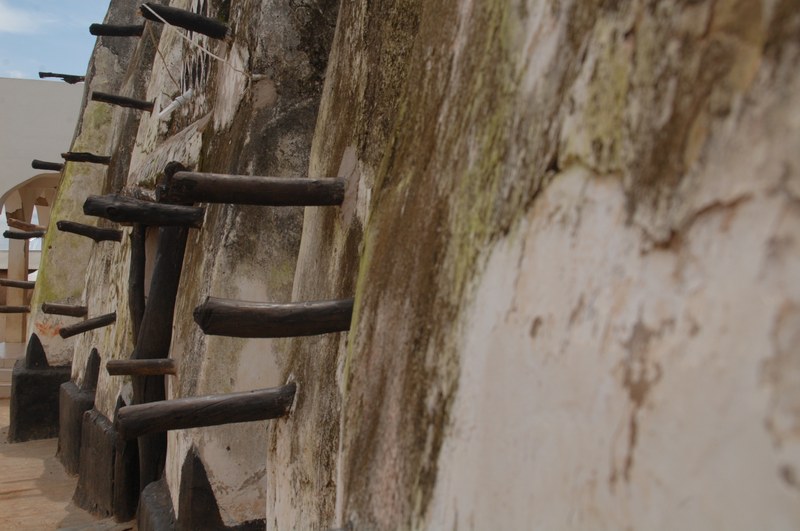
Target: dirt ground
column 36, row 492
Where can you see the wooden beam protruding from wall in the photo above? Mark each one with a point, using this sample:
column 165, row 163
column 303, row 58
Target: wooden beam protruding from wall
column 114, row 30
column 123, row 101
column 96, row 233
column 186, row 186
column 124, row 209
column 64, row 309
column 83, row 156
column 67, row 78
column 156, row 367
column 37, row 164
column 184, row 19
column 21, row 284
column 201, row 411
column 23, row 234
column 88, row 324
column 233, row 318
column 15, row 309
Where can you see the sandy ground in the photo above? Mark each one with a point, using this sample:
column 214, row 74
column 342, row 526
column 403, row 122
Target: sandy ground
column 36, row 492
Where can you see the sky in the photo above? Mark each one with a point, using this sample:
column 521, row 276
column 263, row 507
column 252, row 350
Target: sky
column 47, row 35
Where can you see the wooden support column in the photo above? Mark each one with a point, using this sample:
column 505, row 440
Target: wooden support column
column 123, row 101
column 67, row 78
column 196, row 412
column 228, row 317
column 46, row 166
column 184, row 19
column 185, row 186
column 82, row 156
column 95, row 233
column 124, row 209
column 112, row 30
column 157, row 367
column 88, row 324
column 64, row 309
column 23, row 235
column 21, row 284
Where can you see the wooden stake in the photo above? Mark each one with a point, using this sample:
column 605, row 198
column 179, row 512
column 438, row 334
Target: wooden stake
column 184, row 19
column 21, row 284
column 67, row 78
column 82, row 156
column 46, row 166
column 95, row 233
column 23, row 234
column 227, row 317
column 123, row 101
column 112, row 30
column 88, row 324
column 128, row 210
column 15, row 309
column 196, row 412
column 248, row 190
column 64, row 309
column 158, row 367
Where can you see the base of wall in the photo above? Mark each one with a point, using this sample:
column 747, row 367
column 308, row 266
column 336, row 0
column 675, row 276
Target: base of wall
column 34, row 395
column 34, row 401
column 155, row 508
column 198, row 507
column 107, row 482
column 72, row 404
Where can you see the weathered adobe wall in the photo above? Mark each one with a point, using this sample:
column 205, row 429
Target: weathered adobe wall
column 576, row 296
column 261, row 126
column 65, row 257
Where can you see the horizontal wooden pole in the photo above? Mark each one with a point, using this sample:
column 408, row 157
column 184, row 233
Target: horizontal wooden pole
column 46, row 166
column 123, row 101
column 82, row 156
column 155, row 367
column 67, row 78
column 22, row 284
column 200, row 411
column 124, row 209
column 113, row 30
column 88, row 324
column 185, row 186
column 184, row 19
column 73, row 310
column 15, row 309
column 23, row 225
column 95, row 233
column 227, row 317
column 23, row 234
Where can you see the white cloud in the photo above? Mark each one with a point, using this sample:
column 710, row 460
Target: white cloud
column 14, row 20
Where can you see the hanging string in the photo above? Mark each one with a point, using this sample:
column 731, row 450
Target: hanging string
column 197, row 45
column 163, row 60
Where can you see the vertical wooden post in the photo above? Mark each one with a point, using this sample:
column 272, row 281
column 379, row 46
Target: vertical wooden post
column 136, row 275
column 155, row 336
